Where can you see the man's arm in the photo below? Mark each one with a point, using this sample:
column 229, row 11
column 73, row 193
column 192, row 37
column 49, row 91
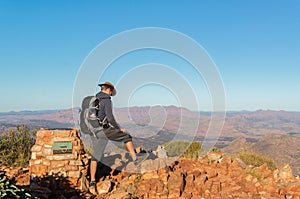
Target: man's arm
column 109, row 115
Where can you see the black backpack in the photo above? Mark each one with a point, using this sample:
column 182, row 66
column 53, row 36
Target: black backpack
column 89, row 121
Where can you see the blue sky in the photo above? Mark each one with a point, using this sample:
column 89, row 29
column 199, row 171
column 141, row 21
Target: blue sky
column 254, row 44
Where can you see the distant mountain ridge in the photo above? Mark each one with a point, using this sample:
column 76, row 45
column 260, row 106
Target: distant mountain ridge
column 28, row 112
column 250, row 124
column 148, row 121
column 151, row 126
column 39, row 119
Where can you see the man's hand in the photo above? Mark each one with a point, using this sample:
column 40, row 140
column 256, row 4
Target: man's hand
column 123, row 130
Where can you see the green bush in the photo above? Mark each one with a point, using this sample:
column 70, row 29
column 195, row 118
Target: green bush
column 256, row 160
column 15, row 146
column 8, row 188
column 182, row 148
column 176, row 147
column 192, row 150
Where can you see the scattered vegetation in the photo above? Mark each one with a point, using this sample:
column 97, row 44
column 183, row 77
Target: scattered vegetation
column 256, row 160
column 15, row 146
column 132, row 196
column 192, row 150
column 254, row 173
column 137, row 179
column 215, row 149
column 176, row 147
column 8, row 188
column 182, row 148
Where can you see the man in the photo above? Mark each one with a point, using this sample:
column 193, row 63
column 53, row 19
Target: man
column 111, row 131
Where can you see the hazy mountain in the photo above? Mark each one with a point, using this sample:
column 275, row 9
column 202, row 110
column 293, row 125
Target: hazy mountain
column 281, row 148
column 151, row 126
column 38, row 119
column 148, row 121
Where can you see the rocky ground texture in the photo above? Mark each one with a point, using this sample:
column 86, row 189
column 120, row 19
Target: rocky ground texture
column 206, row 177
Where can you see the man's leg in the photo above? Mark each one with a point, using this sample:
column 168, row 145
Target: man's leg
column 97, row 149
column 117, row 135
column 98, row 146
column 130, row 149
column 93, row 169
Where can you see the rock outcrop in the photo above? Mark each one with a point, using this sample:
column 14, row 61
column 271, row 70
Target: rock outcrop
column 187, row 178
column 215, row 175
column 179, row 178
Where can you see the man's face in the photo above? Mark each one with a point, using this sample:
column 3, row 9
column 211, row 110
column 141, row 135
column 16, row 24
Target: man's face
column 110, row 91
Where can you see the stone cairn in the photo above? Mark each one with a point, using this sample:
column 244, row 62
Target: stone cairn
column 46, row 160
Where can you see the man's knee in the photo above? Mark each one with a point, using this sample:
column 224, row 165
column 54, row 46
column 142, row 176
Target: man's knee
column 127, row 139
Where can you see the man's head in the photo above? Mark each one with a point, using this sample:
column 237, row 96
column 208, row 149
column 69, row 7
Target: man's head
column 108, row 88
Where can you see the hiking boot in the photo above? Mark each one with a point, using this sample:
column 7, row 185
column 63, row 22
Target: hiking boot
column 92, row 188
column 140, row 157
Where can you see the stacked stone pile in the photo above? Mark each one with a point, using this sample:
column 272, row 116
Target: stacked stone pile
column 72, row 165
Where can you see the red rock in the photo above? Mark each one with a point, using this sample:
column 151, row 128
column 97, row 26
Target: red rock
column 35, row 162
column 36, row 148
column 73, row 182
column 240, row 163
column 104, row 187
column 249, row 187
column 71, row 168
column 150, row 175
column 62, row 133
column 44, row 133
column 23, row 180
column 47, row 140
column 189, row 183
column 214, row 156
column 175, row 185
column 149, row 165
column 285, row 173
column 75, row 162
column 62, row 157
column 47, row 151
column 118, row 195
column 38, row 170
column 57, row 164
column 211, row 173
column 33, row 155
column 46, row 162
column 74, row 174
column 143, row 189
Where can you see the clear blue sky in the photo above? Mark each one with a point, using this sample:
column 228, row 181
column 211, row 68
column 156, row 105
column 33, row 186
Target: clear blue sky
column 255, row 45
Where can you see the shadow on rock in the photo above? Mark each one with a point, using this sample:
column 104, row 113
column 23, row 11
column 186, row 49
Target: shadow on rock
column 54, row 186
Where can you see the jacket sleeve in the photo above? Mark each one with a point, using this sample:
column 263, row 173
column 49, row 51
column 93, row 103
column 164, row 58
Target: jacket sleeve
column 109, row 115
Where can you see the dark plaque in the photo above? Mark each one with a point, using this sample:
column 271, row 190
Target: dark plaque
column 63, row 147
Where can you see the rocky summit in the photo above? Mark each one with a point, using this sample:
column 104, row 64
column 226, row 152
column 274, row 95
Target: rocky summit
column 168, row 178
column 202, row 178
column 59, row 169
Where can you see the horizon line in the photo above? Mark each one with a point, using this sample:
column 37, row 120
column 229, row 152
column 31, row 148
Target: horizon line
column 205, row 111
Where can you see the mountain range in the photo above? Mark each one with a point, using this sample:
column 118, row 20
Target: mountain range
column 275, row 134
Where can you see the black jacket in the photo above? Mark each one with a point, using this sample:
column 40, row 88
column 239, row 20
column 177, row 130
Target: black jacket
column 105, row 109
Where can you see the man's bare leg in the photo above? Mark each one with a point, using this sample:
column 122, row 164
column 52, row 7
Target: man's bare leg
column 93, row 169
column 130, row 149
